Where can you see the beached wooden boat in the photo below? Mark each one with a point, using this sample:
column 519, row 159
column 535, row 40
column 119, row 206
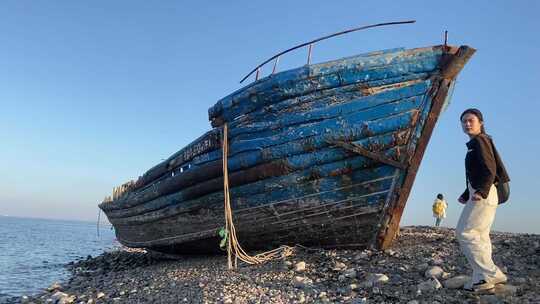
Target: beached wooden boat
column 323, row 155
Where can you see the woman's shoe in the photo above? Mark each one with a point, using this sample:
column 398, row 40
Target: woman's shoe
column 499, row 280
column 479, row 286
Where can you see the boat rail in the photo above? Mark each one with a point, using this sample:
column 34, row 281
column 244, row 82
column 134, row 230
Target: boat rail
column 312, row 42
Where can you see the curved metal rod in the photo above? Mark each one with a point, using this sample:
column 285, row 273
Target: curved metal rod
column 323, row 38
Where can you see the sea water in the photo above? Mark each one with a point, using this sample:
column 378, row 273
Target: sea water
column 34, row 252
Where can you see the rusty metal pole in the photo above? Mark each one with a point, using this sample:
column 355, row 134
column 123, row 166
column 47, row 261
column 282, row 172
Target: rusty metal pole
column 309, row 54
column 275, row 65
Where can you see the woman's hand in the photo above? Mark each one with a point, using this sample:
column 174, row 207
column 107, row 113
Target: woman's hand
column 477, row 197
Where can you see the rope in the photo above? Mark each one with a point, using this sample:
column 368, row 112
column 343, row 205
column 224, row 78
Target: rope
column 233, row 246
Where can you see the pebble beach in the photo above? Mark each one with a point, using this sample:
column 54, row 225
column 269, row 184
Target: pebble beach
column 424, row 265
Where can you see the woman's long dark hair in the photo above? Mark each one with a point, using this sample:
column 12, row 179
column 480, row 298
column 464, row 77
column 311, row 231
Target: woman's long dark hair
column 476, row 113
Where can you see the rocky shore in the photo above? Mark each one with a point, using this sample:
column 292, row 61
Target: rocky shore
column 423, row 266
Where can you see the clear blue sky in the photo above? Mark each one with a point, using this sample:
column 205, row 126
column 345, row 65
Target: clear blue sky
column 94, row 93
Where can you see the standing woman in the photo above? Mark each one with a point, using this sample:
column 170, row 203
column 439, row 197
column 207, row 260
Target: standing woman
column 480, row 199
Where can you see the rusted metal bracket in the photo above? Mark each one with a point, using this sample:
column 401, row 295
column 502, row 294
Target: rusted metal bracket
column 366, row 153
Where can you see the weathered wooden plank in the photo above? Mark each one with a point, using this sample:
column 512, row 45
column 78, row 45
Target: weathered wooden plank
column 344, row 77
column 259, row 172
column 292, row 163
column 212, row 218
column 349, row 107
column 336, row 214
column 312, row 142
column 210, row 140
column 355, row 121
column 266, row 154
column 207, row 142
column 170, row 237
column 213, row 169
column 373, row 204
column 283, row 84
column 322, row 190
column 322, row 98
column 248, row 196
column 334, row 166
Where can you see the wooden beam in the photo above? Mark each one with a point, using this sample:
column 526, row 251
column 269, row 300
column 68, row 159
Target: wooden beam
column 390, row 226
column 366, row 153
column 452, row 64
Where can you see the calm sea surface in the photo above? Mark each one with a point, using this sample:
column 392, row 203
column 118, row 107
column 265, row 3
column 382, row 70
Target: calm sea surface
column 34, row 251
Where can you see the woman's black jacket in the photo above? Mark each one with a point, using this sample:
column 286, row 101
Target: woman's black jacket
column 483, row 166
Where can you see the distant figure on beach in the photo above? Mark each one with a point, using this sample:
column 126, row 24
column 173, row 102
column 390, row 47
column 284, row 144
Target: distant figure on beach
column 481, row 200
column 439, row 209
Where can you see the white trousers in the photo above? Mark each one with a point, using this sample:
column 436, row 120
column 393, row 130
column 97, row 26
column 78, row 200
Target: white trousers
column 472, row 232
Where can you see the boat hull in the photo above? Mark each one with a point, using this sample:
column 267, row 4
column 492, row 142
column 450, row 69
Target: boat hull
column 324, row 155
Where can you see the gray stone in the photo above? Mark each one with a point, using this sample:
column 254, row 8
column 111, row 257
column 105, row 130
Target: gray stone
column 366, row 284
column 445, row 275
column 490, row 299
column 62, row 298
column 413, row 302
column 54, row 286
column 422, row 267
column 287, row 265
column 429, row 285
column 350, row 273
column 100, row 295
column 456, row 282
column 339, row 266
column 302, row 282
column 362, row 256
column 390, row 252
column 520, row 280
column 359, row 301
column 58, row 295
column 435, row 272
column 300, row 266
column 505, row 290
column 377, row 278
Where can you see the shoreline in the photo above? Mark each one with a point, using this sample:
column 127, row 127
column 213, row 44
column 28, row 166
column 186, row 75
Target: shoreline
column 424, row 265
